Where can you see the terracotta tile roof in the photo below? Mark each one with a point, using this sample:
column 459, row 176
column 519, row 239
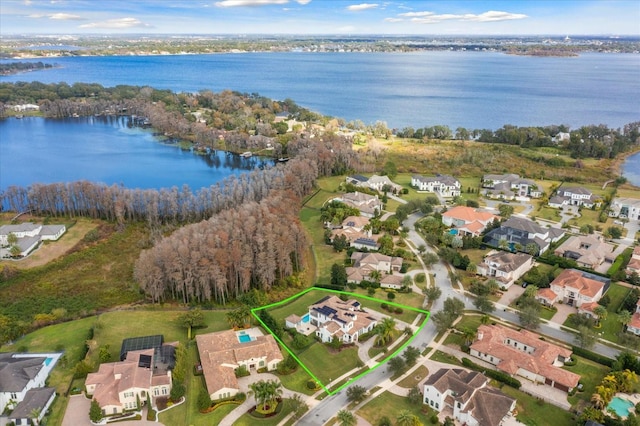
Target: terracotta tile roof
column 221, row 352
column 547, row 294
column 574, row 279
column 469, row 215
column 131, row 375
column 635, row 320
column 589, row 306
column 492, row 340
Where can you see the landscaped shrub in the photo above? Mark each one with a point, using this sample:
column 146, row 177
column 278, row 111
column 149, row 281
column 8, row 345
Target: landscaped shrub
column 311, row 384
column 398, row 310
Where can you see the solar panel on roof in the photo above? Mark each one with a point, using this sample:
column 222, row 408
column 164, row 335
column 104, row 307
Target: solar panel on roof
column 144, row 361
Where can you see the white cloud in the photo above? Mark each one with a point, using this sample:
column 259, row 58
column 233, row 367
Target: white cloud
column 115, row 24
column 414, row 14
column 303, row 2
column 250, row 3
column 65, row 17
column 494, row 15
column 57, row 16
column 433, row 18
column 362, row 6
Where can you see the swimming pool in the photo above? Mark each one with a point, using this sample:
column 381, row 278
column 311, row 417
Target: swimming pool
column 620, row 405
column 305, row 318
column 48, row 361
column 453, row 231
column 244, row 338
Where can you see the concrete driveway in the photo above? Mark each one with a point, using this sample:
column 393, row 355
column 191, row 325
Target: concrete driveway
column 77, row 414
column 563, row 312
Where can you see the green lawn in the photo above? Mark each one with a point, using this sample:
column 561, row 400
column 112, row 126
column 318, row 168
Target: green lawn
column 248, row 420
column 534, row 412
column 414, row 300
column 325, row 256
column 547, row 213
column 444, row 357
column 113, row 327
column 390, row 405
column 587, row 217
column 591, row 374
column 327, row 366
column 547, row 313
column 297, row 381
column 418, row 376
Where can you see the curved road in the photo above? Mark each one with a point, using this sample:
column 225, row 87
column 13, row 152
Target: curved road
column 328, row 407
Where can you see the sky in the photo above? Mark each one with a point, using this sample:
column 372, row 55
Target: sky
column 333, row 17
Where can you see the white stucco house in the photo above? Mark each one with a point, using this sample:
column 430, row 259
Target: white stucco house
column 444, row 185
column 344, row 320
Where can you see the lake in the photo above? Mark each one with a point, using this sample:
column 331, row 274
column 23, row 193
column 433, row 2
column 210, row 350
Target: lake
column 475, row 90
column 106, row 149
column 631, row 169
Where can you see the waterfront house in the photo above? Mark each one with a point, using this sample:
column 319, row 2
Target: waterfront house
column 625, row 208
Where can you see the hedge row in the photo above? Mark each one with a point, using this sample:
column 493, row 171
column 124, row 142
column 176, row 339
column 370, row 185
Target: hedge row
column 600, row 359
column 494, row 374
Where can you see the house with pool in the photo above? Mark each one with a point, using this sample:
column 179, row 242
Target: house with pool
column 333, row 317
column 221, row 353
column 22, row 372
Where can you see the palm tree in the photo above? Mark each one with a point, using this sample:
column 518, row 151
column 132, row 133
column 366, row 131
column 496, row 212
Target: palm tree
column 469, row 335
column 385, row 331
column 405, row 418
column 605, row 392
column 597, row 401
column 601, row 312
column 259, row 392
column 266, row 393
column 346, row 418
column 485, row 319
column 624, row 317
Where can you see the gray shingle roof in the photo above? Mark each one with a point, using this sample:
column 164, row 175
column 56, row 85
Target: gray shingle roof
column 15, row 373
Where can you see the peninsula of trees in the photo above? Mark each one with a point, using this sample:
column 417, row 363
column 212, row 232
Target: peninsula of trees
column 18, row 67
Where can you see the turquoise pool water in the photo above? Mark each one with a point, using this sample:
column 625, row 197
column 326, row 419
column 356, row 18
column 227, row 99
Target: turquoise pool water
column 48, row 361
column 244, row 338
column 305, row 318
column 453, row 231
column 620, row 405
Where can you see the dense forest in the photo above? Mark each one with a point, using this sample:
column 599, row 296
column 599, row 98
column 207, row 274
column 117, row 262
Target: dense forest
column 253, row 246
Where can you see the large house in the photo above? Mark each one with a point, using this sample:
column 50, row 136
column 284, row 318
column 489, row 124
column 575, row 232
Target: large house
column 344, row 320
column 224, row 351
column 589, row 251
column 574, row 288
column 29, row 235
column 369, row 205
column 353, row 229
column 522, row 353
column 467, row 220
column 574, row 196
column 365, row 264
column 378, row 183
column 33, row 407
column 444, row 185
column 505, row 267
column 468, row 395
column 625, row 208
column 518, row 233
column 22, row 372
column 509, row 187
column 634, row 324
column 139, row 377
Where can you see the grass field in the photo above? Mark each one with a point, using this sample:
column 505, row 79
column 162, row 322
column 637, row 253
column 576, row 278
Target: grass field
column 248, row 420
column 416, row 378
column 96, row 276
column 390, row 405
column 325, row 256
column 591, row 374
column 328, row 366
column 534, row 412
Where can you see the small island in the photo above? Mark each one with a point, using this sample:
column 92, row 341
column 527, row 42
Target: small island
column 20, row 67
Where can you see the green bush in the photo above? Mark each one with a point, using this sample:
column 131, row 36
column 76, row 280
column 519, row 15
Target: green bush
column 600, row 359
